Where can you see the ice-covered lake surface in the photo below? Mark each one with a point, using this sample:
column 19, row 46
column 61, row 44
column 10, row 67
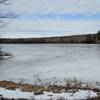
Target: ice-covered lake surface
column 51, row 60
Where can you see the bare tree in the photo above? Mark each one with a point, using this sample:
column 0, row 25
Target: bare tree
column 3, row 1
column 4, row 14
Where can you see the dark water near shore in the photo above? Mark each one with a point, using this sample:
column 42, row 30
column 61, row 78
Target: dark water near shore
column 51, row 60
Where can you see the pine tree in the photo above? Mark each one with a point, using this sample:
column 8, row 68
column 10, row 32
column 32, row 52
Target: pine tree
column 98, row 35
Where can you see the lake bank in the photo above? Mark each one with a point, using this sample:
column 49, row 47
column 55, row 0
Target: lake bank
column 85, row 38
column 71, row 89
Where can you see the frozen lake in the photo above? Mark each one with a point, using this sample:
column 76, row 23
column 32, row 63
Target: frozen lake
column 51, row 60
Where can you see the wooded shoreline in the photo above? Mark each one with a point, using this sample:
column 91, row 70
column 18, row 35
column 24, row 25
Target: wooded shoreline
column 78, row 39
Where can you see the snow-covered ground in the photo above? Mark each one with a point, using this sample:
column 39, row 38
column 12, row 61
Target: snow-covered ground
column 81, row 94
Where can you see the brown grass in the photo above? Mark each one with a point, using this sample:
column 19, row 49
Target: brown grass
column 39, row 89
column 8, row 84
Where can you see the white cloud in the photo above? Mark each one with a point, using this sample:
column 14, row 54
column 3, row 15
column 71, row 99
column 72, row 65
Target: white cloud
column 57, row 25
column 57, row 7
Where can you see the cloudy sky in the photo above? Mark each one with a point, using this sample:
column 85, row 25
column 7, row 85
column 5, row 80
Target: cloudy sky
column 74, row 16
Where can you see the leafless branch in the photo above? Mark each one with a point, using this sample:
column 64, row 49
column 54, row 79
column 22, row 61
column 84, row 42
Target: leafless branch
column 4, row 14
column 3, row 2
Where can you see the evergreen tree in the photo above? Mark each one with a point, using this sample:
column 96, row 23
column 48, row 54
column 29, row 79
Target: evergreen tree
column 98, row 35
column 90, row 39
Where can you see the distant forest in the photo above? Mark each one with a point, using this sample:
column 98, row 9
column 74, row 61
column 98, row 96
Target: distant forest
column 87, row 38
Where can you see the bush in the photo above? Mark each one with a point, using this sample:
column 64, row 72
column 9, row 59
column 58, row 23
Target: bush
column 4, row 54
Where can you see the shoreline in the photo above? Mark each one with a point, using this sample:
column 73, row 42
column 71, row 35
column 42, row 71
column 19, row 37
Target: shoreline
column 78, row 39
column 71, row 87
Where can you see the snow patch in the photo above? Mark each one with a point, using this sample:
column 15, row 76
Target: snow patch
column 81, row 94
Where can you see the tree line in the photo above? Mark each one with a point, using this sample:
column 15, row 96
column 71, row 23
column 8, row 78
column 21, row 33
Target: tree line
column 85, row 38
column 93, row 38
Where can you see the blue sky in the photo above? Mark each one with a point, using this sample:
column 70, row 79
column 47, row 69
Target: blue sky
column 55, row 15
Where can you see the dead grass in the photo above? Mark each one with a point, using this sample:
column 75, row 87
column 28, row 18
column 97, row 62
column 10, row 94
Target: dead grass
column 27, row 88
column 38, row 90
column 69, row 86
column 55, row 88
column 8, row 85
